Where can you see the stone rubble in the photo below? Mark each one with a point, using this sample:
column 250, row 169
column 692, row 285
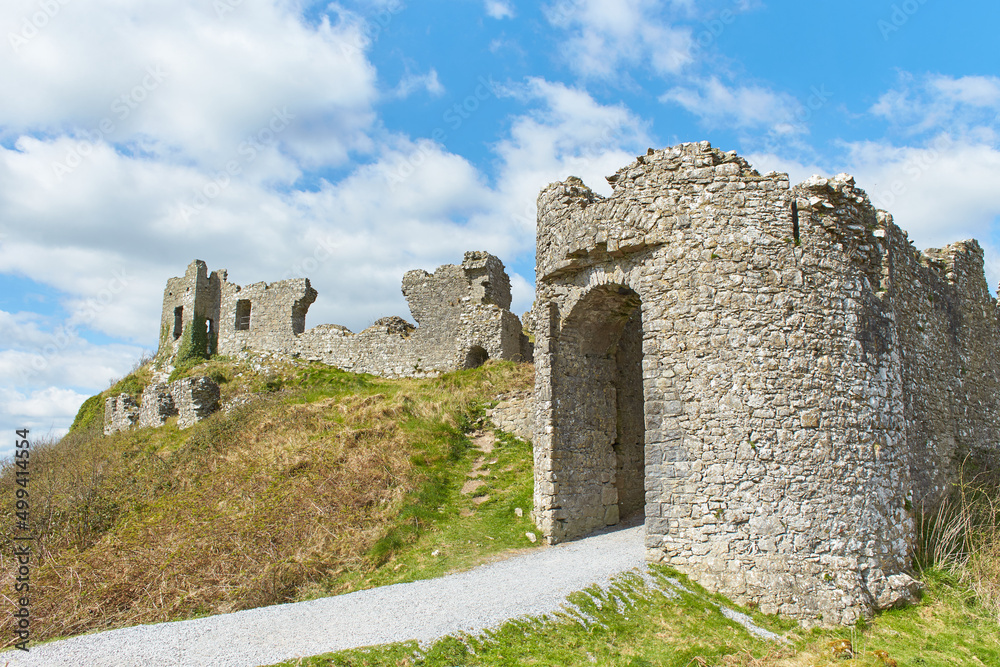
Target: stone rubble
column 189, row 399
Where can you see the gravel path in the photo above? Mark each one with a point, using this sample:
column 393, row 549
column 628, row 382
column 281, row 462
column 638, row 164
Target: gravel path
column 532, row 584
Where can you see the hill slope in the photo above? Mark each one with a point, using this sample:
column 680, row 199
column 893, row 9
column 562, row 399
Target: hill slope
column 311, row 483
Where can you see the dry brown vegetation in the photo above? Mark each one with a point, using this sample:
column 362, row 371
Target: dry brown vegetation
column 962, row 536
column 247, row 508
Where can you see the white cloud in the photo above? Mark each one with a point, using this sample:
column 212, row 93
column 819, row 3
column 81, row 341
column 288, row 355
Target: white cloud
column 935, row 103
column 179, row 80
column 743, row 107
column 38, row 355
column 47, row 413
column 605, row 35
column 499, row 9
column 410, row 83
column 570, row 134
column 49, row 371
column 941, row 192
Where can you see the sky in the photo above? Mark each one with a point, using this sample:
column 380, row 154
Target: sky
column 352, row 141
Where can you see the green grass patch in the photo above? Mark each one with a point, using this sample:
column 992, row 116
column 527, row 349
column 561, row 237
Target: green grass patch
column 342, row 473
column 632, row 624
column 442, row 530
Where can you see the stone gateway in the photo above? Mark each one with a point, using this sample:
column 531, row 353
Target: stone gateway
column 774, row 375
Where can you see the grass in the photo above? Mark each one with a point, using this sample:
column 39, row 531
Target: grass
column 463, row 530
column 319, row 481
column 962, row 536
column 956, row 623
column 687, row 629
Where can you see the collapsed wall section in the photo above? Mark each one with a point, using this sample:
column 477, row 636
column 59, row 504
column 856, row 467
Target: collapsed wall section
column 189, row 399
column 775, row 464
column 264, row 317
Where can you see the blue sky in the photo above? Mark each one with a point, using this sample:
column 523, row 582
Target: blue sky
column 352, row 141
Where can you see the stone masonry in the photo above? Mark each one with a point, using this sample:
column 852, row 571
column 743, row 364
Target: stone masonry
column 189, row 399
column 773, row 375
column 515, row 414
column 462, row 314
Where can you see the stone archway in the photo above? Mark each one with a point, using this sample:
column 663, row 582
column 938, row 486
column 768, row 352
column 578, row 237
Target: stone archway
column 597, row 441
column 475, row 357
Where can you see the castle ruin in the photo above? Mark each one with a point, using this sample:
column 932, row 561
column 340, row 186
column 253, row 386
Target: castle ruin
column 773, row 375
column 462, row 314
column 188, row 399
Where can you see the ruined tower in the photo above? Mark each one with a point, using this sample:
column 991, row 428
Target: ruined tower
column 773, row 375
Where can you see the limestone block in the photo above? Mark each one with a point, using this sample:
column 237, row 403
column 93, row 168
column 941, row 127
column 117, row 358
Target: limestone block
column 195, row 398
column 120, row 413
column 157, row 405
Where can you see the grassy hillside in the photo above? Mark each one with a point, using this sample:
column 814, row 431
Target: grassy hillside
column 314, row 482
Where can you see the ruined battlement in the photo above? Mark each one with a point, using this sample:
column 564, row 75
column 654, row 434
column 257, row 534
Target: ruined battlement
column 654, row 199
column 772, row 374
column 461, row 313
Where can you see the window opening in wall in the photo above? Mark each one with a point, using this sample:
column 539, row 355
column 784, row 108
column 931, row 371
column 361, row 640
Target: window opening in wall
column 243, row 315
column 178, row 321
column 210, row 327
column 795, row 222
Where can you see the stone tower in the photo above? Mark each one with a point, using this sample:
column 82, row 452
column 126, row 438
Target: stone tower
column 773, row 375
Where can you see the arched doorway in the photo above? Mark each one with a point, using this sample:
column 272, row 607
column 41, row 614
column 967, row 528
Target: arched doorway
column 598, row 424
column 475, row 357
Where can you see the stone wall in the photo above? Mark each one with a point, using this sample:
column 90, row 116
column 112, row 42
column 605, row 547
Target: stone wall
column 514, row 413
column 121, row 413
column 194, row 295
column 189, row 399
column 462, row 314
column 776, row 369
